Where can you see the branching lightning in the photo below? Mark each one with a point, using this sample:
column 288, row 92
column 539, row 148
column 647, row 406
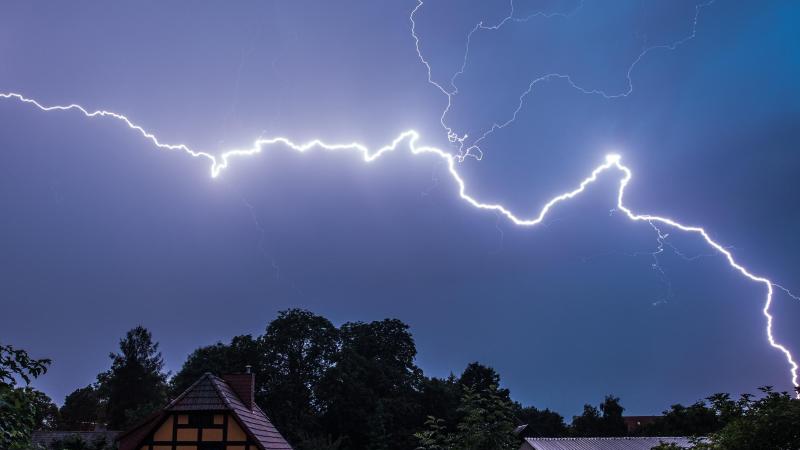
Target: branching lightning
column 410, row 141
column 473, row 149
column 411, row 138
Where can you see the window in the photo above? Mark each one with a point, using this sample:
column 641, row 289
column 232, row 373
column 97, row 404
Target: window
column 201, row 420
column 211, row 446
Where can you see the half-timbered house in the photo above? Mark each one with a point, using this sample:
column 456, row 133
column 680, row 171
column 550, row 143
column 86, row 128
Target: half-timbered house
column 213, row 414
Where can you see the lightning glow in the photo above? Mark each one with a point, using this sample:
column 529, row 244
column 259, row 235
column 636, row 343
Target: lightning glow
column 612, row 162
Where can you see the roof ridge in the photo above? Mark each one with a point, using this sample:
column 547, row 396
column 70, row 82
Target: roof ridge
column 186, row 391
column 214, row 380
column 600, row 438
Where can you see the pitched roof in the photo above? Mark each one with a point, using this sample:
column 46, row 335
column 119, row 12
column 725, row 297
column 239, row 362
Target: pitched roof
column 211, row 393
column 130, row 439
column 617, row 443
column 254, row 421
column 200, row 396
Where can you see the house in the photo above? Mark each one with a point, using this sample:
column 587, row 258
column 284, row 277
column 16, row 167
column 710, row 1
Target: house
column 633, row 423
column 212, row 414
column 610, row 443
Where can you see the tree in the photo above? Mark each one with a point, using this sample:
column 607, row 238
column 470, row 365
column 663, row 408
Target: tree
column 482, row 379
column 605, row 422
column 435, row 435
column 218, row 359
column 588, row 423
column 46, row 416
column 75, row 442
column 373, row 385
column 771, row 422
column 541, row 423
column 475, row 414
column 440, row 398
column 18, row 405
column 298, row 349
column 679, row 420
column 82, row 410
column 136, row 383
column 487, row 421
column 612, row 422
column 17, row 363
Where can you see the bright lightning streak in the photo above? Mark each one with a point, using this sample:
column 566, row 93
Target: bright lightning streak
column 612, row 161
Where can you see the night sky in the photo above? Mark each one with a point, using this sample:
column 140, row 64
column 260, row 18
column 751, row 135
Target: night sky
column 101, row 231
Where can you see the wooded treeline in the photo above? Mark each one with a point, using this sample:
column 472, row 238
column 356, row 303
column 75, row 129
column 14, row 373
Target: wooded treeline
column 354, row 387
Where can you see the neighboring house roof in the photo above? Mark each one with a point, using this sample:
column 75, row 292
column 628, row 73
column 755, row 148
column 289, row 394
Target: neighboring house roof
column 46, row 439
column 617, row 443
column 635, row 422
column 211, row 393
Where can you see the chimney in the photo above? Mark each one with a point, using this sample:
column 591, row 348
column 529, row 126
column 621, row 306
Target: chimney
column 244, row 385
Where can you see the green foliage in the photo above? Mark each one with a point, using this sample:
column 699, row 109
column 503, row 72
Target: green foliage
column 17, row 417
column 17, row 363
column 75, row 442
column 46, row 416
column 480, row 415
column 21, row 408
column 434, row 436
column 771, row 422
column 486, row 422
column 82, row 410
column 136, row 383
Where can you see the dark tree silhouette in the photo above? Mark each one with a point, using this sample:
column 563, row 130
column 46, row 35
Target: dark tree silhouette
column 136, row 383
column 81, row 410
column 298, row 348
column 374, row 384
column 603, row 422
column 541, row 423
column 482, row 379
column 19, row 413
column 219, row 359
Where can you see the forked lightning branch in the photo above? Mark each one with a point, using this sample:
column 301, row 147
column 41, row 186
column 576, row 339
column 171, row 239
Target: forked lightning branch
column 410, row 141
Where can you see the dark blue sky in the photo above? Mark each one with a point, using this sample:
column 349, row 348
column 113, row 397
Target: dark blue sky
column 100, row 231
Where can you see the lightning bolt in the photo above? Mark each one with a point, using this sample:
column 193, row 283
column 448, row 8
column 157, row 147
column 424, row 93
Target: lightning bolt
column 474, row 149
column 411, row 138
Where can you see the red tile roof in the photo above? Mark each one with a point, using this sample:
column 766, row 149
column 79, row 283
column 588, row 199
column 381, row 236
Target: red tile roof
column 253, row 420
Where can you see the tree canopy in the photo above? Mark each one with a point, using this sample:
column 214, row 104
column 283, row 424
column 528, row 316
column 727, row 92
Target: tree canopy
column 22, row 408
column 82, row 410
column 136, row 383
column 357, row 387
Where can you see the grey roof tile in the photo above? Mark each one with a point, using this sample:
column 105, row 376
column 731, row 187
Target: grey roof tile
column 621, row 443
